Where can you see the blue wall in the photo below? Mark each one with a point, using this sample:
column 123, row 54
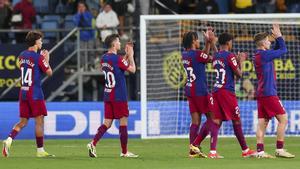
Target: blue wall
column 81, row 119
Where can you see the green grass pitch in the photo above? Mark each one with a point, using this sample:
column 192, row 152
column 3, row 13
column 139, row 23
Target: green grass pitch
column 154, row 154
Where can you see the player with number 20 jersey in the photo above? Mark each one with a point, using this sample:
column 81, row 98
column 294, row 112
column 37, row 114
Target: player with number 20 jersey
column 115, row 95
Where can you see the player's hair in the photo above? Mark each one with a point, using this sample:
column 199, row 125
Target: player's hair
column 188, row 38
column 259, row 37
column 224, row 38
column 32, row 36
column 110, row 39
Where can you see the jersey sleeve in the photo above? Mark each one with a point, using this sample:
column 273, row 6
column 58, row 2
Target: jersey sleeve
column 202, row 57
column 232, row 62
column 123, row 63
column 43, row 65
column 279, row 50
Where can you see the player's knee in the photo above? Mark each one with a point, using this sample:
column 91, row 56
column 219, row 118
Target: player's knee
column 283, row 120
column 196, row 122
column 107, row 124
column 23, row 124
column 217, row 121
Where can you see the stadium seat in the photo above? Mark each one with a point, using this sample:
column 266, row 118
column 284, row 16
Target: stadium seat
column 53, row 17
column 68, row 23
column 41, row 6
column 50, row 24
column 69, row 17
column 38, row 21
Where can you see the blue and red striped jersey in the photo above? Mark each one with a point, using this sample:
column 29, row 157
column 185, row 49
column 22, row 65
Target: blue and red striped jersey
column 32, row 66
column 264, row 68
column 114, row 67
column 224, row 63
column 194, row 65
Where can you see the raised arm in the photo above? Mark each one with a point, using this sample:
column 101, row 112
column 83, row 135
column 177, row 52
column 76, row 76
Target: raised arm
column 280, row 47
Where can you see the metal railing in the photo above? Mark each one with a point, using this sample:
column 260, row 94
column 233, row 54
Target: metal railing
column 81, row 68
column 51, row 51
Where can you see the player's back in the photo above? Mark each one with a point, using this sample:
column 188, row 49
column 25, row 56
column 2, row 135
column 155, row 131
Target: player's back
column 194, row 64
column 224, row 64
column 114, row 67
column 31, row 75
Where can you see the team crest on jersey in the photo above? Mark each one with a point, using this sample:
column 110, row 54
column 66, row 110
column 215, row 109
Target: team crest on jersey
column 125, row 62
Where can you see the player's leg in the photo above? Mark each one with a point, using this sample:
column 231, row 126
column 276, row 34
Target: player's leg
column 108, row 119
column 195, row 149
column 195, row 117
column 204, row 130
column 237, row 127
column 14, row 132
column 260, row 134
column 214, row 129
column 122, row 113
column 205, row 105
column 194, row 127
column 124, row 138
column 217, row 118
column 100, row 132
column 39, row 136
column 123, row 134
column 282, row 123
column 18, row 127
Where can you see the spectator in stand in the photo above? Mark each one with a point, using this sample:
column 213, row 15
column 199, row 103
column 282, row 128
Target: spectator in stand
column 5, row 16
column 207, row 7
column 94, row 4
column 120, row 7
column 65, row 7
column 265, row 6
column 281, row 6
column 223, row 6
column 83, row 19
column 144, row 7
column 242, row 6
column 26, row 9
column 107, row 21
column 293, row 6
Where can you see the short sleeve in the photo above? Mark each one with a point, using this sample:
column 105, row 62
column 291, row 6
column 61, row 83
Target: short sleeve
column 202, row 57
column 232, row 62
column 43, row 65
column 123, row 63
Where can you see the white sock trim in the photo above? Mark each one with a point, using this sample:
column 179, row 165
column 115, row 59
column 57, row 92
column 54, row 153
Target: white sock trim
column 246, row 150
column 261, row 152
column 41, row 149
